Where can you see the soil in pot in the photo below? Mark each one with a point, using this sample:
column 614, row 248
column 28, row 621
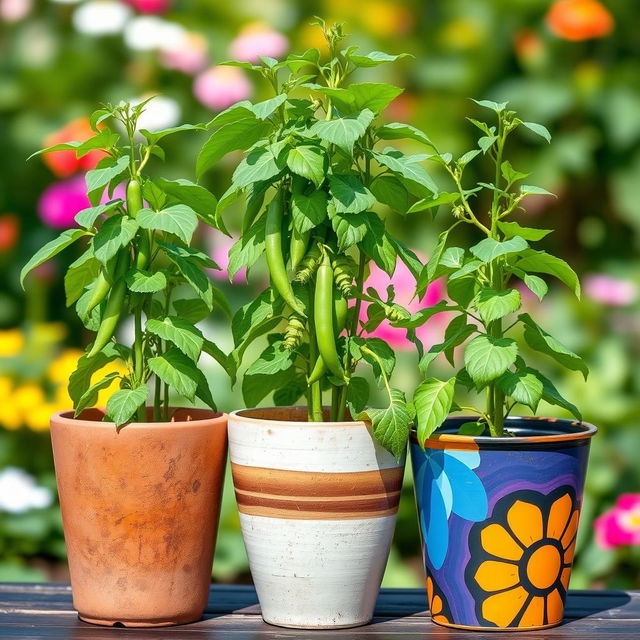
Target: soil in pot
column 318, row 503
column 140, row 509
column 498, row 518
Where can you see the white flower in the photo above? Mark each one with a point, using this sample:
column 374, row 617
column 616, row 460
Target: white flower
column 101, row 17
column 145, row 33
column 19, row 492
column 160, row 113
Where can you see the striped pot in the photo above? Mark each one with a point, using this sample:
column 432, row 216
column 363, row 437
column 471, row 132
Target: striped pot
column 318, row 504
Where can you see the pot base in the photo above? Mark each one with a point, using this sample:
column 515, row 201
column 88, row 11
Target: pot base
column 317, row 626
column 464, row 627
column 140, row 623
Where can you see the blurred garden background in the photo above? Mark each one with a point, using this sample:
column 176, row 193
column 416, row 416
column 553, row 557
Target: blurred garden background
column 569, row 64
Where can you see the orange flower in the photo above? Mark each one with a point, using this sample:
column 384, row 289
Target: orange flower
column 65, row 163
column 522, row 559
column 437, row 604
column 580, row 19
column 9, row 231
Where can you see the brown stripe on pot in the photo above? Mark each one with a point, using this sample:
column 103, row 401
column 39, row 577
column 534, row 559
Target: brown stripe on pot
column 303, row 495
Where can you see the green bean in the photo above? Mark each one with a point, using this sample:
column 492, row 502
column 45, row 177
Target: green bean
column 134, row 204
column 309, row 265
column 104, row 282
column 298, row 248
column 112, row 313
column 323, row 318
column 273, row 251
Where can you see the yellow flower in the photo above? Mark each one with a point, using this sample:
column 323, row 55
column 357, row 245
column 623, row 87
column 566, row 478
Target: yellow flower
column 11, row 342
column 10, row 416
column 28, row 396
column 62, row 400
column 38, row 418
column 63, row 366
column 6, row 387
column 105, row 394
column 461, row 34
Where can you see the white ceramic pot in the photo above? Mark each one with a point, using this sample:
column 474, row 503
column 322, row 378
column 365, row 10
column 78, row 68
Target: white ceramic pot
column 318, row 504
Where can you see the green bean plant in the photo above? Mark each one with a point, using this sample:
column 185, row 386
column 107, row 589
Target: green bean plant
column 482, row 285
column 138, row 261
column 318, row 176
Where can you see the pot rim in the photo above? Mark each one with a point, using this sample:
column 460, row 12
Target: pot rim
column 239, row 415
column 66, row 417
column 586, row 431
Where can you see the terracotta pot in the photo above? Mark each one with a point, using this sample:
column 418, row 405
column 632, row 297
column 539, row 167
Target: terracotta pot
column 318, row 505
column 140, row 511
column 499, row 518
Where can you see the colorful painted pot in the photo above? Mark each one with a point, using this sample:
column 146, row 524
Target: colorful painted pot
column 498, row 518
column 318, row 504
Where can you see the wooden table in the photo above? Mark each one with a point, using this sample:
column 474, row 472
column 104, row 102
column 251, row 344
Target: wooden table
column 45, row 611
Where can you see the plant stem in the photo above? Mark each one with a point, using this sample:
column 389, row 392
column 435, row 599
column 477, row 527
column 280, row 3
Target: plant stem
column 138, row 355
column 335, row 403
column 314, row 411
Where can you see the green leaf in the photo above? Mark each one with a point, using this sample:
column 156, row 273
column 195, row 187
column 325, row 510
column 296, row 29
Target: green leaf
column 374, row 58
column 542, row 262
column 87, row 217
column 262, row 110
column 531, row 190
column 257, row 387
column 493, row 305
column 98, row 179
column 252, row 314
column 259, row 165
column 461, row 290
column 225, row 361
column 376, row 244
column 343, row 132
column 470, row 267
column 498, row 107
column 80, row 379
column 408, row 257
column 539, row 340
column 403, row 166
column 486, row 142
column 472, row 428
column 390, row 191
column 248, row 249
column 203, row 392
column 429, row 272
column 399, row 130
column 289, row 395
column 551, row 395
column 523, row 386
column 141, row 281
column 433, row 400
column 489, row 249
column 487, row 358
column 90, row 396
column 102, row 140
column 308, row 161
column 390, row 425
column 177, row 370
column 272, row 360
column 116, row 232
column 233, row 136
column 357, row 395
column 419, row 318
column 373, row 96
column 350, row 228
column 511, row 229
column 430, row 203
column 192, row 273
column 80, row 275
column 452, row 258
column 192, row 309
column 123, row 404
column 538, row 129
column 181, row 333
column 349, row 194
column 153, row 137
column 511, row 175
column 202, row 201
column 308, row 211
column 178, row 219
column 51, row 249
column 188, row 253
column 465, row 159
column 386, row 357
column 238, row 111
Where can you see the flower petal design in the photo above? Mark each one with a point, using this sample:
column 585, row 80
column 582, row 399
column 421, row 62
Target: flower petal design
column 437, row 529
column 525, row 520
column 571, row 530
column 497, row 541
column 533, row 615
column 493, row 575
column 555, row 607
column 503, row 607
column 468, row 458
column 559, row 515
column 469, row 495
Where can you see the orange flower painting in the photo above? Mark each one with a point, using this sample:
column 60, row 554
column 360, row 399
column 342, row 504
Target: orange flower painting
column 521, row 563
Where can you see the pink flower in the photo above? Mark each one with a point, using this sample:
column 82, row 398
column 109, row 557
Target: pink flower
column 188, row 54
column 608, row 290
column 219, row 246
column 220, row 87
column 150, row 6
column 404, row 285
column 60, row 202
column 15, row 10
column 620, row 525
column 256, row 40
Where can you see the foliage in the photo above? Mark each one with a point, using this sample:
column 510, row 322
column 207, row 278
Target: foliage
column 314, row 171
column 483, row 284
column 136, row 259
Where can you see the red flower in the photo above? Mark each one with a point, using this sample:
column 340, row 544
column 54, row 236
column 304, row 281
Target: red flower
column 65, row 163
column 580, row 19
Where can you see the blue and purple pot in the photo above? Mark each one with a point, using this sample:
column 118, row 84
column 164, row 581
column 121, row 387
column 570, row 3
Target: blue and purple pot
column 498, row 519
